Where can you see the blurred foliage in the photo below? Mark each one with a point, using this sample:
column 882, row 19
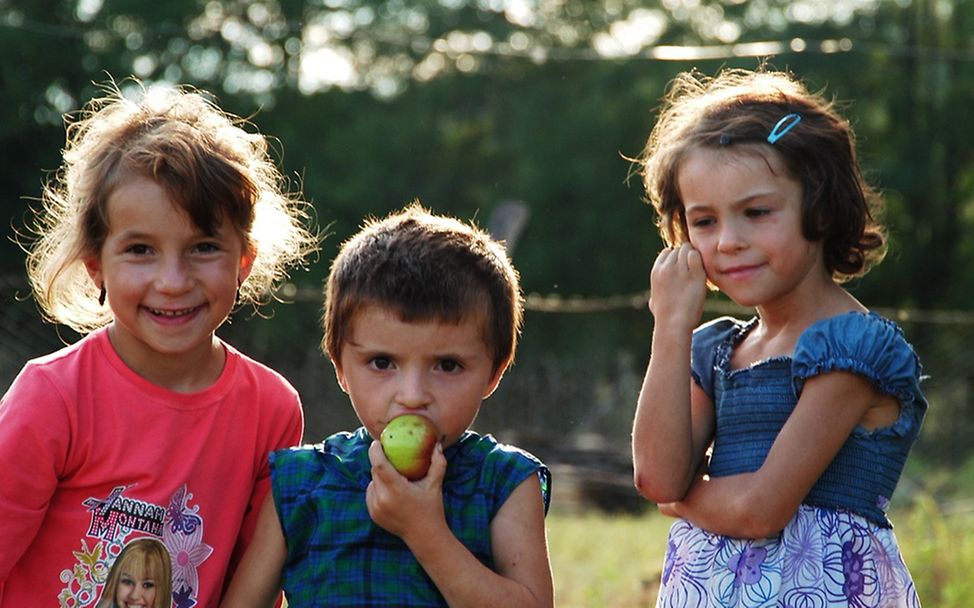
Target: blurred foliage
column 466, row 104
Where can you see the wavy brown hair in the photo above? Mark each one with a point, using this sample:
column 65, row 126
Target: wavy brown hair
column 205, row 160
column 741, row 108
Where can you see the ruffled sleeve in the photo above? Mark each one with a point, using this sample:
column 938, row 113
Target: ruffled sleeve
column 865, row 344
column 711, row 342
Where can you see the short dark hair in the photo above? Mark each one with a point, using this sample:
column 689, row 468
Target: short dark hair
column 839, row 208
column 425, row 267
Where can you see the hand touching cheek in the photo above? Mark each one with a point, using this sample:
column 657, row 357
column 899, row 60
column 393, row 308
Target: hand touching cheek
column 678, row 287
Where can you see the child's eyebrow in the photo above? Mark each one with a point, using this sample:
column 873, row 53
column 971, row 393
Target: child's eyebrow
column 369, row 350
column 741, row 202
column 130, row 235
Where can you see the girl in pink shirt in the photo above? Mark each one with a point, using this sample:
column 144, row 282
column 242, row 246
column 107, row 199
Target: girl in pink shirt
column 150, row 425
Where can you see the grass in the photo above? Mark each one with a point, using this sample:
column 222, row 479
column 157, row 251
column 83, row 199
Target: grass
column 938, row 547
column 615, row 560
column 603, row 560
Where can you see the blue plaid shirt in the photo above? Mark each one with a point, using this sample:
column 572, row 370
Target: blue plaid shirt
column 338, row 557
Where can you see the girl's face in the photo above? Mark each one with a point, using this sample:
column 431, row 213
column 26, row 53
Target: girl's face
column 168, row 284
column 743, row 214
column 438, row 370
column 135, row 591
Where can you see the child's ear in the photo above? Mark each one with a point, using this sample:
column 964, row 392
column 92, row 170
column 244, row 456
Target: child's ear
column 495, row 380
column 93, row 265
column 340, row 376
column 246, row 263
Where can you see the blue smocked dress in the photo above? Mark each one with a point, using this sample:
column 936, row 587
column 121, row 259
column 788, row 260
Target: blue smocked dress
column 839, row 548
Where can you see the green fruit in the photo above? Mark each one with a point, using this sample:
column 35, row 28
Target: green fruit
column 408, row 441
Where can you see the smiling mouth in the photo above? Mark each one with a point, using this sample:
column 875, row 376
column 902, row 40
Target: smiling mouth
column 740, row 269
column 173, row 313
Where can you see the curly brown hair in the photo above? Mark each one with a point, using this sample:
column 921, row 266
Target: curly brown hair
column 205, row 160
column 839, row 208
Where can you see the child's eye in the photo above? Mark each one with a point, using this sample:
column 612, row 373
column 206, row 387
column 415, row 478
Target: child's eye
column 702, row 222
column 757, row 212
column 450, row 365
column 137, row 249
column 148, row 585
column 381, row 363
column 207, row 247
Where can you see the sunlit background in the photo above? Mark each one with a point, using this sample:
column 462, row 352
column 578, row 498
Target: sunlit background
column 522, row 115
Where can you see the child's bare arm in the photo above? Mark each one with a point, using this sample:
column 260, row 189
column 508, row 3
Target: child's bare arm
column 520, row 544
column 414, row 512
column 257, row 581
column 523, row 576
column 674, row 418
column 755, row 505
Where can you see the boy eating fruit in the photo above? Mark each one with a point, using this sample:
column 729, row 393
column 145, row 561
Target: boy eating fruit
column 422, row 315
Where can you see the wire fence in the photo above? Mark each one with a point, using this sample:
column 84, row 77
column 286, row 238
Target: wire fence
column 570, row 396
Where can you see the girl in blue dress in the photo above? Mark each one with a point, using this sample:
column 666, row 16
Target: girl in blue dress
column 777, row 442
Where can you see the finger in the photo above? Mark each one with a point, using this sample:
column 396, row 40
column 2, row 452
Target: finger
column 370, row 498
column 690, row 261
column 376, row 502
column 376, row 455
column 683, row 253
column 663, row 256
column 437, row 468
column 380, row 464
column 663, row 263
column 695, row 262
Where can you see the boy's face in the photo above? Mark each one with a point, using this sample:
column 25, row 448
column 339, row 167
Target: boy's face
column 432, row 368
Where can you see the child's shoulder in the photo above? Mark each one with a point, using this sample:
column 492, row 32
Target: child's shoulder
column 343, row 444
column 723, row 326
column 501, row 466
column 69, row 353
column 87, row 359
column 249, row 362
column 344, row 452
column 864, row 334
column 473, row 444
column 720, row 330
column 263, row 375
column 860, row 342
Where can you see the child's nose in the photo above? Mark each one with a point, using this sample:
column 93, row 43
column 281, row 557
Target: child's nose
column 173, row 275
column 413, row 391
column 730, row 238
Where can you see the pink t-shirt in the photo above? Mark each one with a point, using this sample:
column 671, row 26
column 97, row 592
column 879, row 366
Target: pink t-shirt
column 93, row 456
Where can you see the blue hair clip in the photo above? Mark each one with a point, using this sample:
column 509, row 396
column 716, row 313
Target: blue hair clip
column 787, row 123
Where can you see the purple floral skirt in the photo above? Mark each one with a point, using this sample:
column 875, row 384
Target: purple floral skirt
column 822, row 558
